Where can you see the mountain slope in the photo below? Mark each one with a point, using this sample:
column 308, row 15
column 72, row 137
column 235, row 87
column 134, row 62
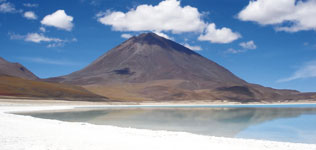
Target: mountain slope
column 19, row 87
column 149, row 57
column 16, row 70
column 150, row 67
column 18, row 81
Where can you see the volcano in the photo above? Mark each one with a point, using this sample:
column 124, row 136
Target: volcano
column 150, row 67
column 149, row 57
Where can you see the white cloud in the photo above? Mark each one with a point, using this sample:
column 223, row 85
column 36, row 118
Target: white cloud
column 287, row 15
column 59, row 19
column 168, row 15
column 38, row 38
column 41, row 38
column 235, row 51
column 102, row 14
column 34, row 37
column 7, row 8
column 248, row 45
column 49, row 61
column 308, row 70
column 73, row 40
column 52, row 45
column 195, row 48
column 42, row 29
column 30, row 15
column 61, row 43
column 164, row 35
column 223, row 35
column 126, row 36
column 14, row 36
column 92, row 2
column 30, row 5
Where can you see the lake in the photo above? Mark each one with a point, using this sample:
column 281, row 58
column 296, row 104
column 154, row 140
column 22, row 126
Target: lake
column 288, row 123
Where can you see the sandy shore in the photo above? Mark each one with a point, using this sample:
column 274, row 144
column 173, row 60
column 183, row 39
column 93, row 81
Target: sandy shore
column 24, row 132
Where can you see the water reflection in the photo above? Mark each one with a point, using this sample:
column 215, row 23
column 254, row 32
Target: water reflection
column 227, row 122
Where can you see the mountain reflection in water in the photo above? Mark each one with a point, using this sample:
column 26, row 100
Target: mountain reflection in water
column 224, row 122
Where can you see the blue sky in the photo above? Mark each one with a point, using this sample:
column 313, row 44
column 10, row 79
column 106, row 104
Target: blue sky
column 268, row 42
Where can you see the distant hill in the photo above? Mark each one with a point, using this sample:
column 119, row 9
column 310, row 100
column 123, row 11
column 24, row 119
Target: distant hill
column 150, row 67
column 18, row 87
column 18, row 81
column 16, row 70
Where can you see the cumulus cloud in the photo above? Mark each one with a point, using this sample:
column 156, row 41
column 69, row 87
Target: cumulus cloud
column 223, row 35
column 195, row 48
column 59, row 19
column 308, row 70
column 168, row 15
column 7, row 8
column 126, row 36
column 30, row 15
column 248, row 45
column 286, row 15
column 30, row 5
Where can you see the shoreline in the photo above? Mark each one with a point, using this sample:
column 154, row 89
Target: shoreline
column 143, row 103
column 20, row 105
column 25, row 132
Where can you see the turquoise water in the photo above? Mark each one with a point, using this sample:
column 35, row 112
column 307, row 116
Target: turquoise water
column 289, row 123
